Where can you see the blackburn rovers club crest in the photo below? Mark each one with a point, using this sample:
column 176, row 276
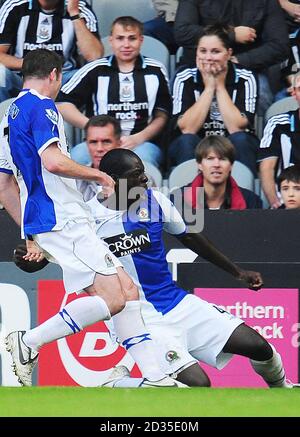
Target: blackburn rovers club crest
column 13, row 110
column 143, row 215
column 108, row 260
column 52, row 115
column 172, row 356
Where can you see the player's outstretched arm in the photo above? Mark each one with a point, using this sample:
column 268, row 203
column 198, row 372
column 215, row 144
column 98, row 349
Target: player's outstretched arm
column 199, row 244
column 24, row 264
column 58, row 163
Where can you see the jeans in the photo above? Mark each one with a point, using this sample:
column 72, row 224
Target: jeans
column 183, row 148
column 265, row 94
column 147, row 152
column 11, row 82
column 246, row 146
column 282, row 94
column 158, row 28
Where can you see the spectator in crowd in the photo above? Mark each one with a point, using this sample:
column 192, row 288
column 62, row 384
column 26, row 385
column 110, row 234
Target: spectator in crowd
column 259, row 35
column 217, row 97
column 289, row 187
column 215, row 157
column 279, row 147
column 289, row 68
column 161, row 27
column 128, row 86
column 103, row 133
column 69, row 28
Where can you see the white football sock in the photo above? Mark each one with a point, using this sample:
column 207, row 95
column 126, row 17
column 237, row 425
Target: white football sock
column 75, row 316
column 272, row 370
column 135, row 338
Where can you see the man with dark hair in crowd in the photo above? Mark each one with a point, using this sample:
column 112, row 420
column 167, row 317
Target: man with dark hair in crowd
column 215, row 157
column 103, row 133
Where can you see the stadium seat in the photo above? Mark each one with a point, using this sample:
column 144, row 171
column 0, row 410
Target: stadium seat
column 183, row 174
column 151, row 47
column 174, row 62
column 260, row 192
column 283, row 105
column 107, row 10
column 153, row 174
column 243, row 175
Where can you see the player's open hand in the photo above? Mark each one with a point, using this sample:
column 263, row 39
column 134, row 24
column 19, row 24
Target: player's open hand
column 107, row 183
column 252, row 279
column 25, row 265
column 34, row 252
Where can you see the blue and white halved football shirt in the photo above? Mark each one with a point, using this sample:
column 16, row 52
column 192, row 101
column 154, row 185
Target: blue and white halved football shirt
column 135, row 237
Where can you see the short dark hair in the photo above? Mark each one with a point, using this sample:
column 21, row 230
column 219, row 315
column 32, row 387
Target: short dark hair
column 40, row 62
column 219, row 144
column 290, row 174
column 116, row 162
column 104, row 120
column 128, row 21
column 221, row 31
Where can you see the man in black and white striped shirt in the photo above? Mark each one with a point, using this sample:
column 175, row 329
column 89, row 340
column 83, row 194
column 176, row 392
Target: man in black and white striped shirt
column 68, row 28
column 127, row 86
column 279, row 147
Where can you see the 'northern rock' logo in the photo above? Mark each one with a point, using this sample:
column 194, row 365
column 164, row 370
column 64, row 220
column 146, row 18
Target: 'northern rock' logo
column 129, row 244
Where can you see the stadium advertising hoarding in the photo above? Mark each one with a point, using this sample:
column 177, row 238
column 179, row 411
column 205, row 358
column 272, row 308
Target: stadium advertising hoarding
column 18, row 308
column 87, row 358
column 11, row 317
column 84, row 359
column 274, row 314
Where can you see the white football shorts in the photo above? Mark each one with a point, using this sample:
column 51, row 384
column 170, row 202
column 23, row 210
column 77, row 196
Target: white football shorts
column 79, row 252
column 195, row 330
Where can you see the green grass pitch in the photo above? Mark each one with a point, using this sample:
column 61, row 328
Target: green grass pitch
column 159, row 402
